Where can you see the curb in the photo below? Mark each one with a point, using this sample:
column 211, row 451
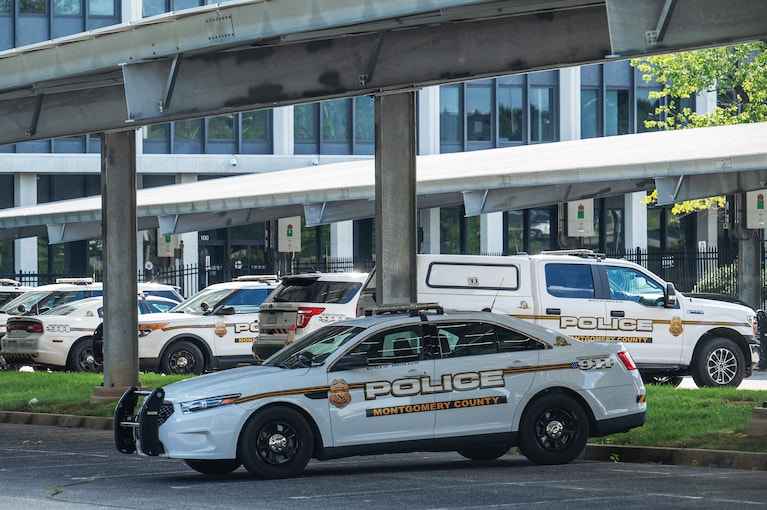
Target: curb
column 56, row 420
column 677, row 456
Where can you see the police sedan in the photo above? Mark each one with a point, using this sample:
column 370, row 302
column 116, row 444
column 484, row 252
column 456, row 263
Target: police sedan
column 475, row 383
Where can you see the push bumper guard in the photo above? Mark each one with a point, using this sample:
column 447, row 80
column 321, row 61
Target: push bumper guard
column 139, row 432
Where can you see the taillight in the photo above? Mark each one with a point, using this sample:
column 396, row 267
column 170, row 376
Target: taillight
column 29, row 327
column 305, row 314
column 627, row 361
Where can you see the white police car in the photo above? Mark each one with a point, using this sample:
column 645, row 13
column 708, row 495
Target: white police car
column 477, row 383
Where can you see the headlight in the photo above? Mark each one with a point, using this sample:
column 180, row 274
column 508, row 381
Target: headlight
column 202, row 404
column 146, row 328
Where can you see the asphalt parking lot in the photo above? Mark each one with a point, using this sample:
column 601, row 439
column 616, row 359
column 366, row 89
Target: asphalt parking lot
column 56, row 468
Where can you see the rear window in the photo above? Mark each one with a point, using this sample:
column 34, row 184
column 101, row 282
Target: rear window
column 310, row 290
column 570, row 280
column 472, row 276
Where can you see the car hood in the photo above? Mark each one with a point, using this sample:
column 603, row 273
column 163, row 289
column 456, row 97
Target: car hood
column 242, row 380
column 709, row 309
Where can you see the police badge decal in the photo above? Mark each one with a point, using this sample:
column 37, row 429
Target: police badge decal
column 339, row 394
column 676, row 327
column 220, row 329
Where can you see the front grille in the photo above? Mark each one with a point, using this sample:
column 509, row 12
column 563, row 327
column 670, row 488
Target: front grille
column 165, row 412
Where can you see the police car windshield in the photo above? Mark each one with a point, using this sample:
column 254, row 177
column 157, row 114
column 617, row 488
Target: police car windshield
column 28, row 299
column 211, row 297
column 6, row 297
column 314, row 348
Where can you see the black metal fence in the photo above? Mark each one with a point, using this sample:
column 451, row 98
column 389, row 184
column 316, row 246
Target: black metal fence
column 712, row 270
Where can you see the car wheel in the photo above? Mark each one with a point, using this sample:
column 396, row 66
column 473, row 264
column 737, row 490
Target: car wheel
column 276, row 443
column 81, row 357
column 484, row 453
column 553, row 429
column 663, row 380
column 214, row 467
column 183, row 358
column 720, row 362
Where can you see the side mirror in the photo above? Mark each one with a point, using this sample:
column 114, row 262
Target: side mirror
column 21, row 309
column 350, row 362
column 669, row 299
column 205, row 307
column 227, row 310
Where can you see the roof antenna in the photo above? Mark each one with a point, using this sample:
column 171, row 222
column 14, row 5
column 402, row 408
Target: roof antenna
column 498, row 291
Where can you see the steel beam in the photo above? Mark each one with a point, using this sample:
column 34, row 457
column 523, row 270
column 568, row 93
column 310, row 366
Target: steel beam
column 671, row 191
column 331, row 212
column 59, row 233
column 180, row 223
column 648, row 26
column 118, row 192
column 509, row 199
column 252, row 78
column 395, row 199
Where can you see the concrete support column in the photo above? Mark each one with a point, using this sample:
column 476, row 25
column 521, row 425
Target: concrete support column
column 491, row 233
column 342, row 239
column 25, row 250
column 635, row 220
column 428, row 143
column 749, row 257
column 283, row 131
column 118, row 210
column 707, row 227
column 395, row 193
column 570, row 103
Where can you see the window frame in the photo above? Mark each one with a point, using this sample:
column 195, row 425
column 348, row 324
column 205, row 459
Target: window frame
column 432, row 264
column 606, row 286
column 539, row 344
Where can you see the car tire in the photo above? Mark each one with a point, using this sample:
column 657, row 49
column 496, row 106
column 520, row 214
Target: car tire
column 484, row 453
column 214, row 467
column 183, row 357
column 276, row 443
column 554, row 429
column 662, row 380
column 80, row 358
column 719, row 363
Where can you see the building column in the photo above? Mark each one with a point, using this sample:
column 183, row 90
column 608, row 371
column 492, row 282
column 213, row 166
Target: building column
column 491, row 233
column 635, row 220
column 25, row 250
column 570, row 103
column 428, row 143
column 395, row 198
column 283, row 130
column 118, row 220
column 749, row 256
column 342, row 240
column 131, row 10
column 190, row 254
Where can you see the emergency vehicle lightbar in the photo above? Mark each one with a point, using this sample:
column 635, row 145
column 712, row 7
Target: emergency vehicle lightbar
column 75, row 281
column 414, row 310
column 586, row 254
column 7, row 282
column 263, row 278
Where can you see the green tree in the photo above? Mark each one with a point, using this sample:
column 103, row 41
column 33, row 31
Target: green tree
column 738, row 74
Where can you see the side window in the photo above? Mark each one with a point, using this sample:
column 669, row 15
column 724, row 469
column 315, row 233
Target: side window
column 513, row 341
column 401, row 345
column 247, row 300
column 628, row 284
column 570, row 281
column 466, row 339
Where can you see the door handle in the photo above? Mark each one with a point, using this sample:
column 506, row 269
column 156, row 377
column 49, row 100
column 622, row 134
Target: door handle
column 415, row 371
column 553, row 311
column 617, row 313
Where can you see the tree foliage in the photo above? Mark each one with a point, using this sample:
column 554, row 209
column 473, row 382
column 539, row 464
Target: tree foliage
column 738, row 74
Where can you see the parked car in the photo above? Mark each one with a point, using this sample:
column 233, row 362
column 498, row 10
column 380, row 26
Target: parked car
column 62, row 337
column 477, row 383
column 10, row 289
column 213, row 329
column 596, row 299
column 304, row 303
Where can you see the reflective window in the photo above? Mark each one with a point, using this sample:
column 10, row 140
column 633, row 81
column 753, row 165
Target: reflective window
column 154, row 7
column 451, row 118
column 569, row 281
column 32, row 6
column 450, row 230
column 542, row 119
column 646, row 108
column 516, row 229
column 590, row 112
column 401, row 345
column 66, row 7
column 313, row 290
column 654, row 216
column 185, row 4
column 364, row 125
column 247, row 300
column 616, row 112
column 628, row 284
column 221, row 128
column 5, row 7
column 306, row 128
column 257, row 132
column 188, row 136
column 101, row 7
column 511, row 113
column 335, row 126
column 614, row 224
column 479, row 107
column 157, row 139
column 540, row 229
column 466, row 339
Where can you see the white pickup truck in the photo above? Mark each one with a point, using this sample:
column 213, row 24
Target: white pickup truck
column 597, row 299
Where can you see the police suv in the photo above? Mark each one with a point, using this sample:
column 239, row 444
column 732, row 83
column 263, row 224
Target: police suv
column 477, row 383
column 597, row 299
column 215, row 328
